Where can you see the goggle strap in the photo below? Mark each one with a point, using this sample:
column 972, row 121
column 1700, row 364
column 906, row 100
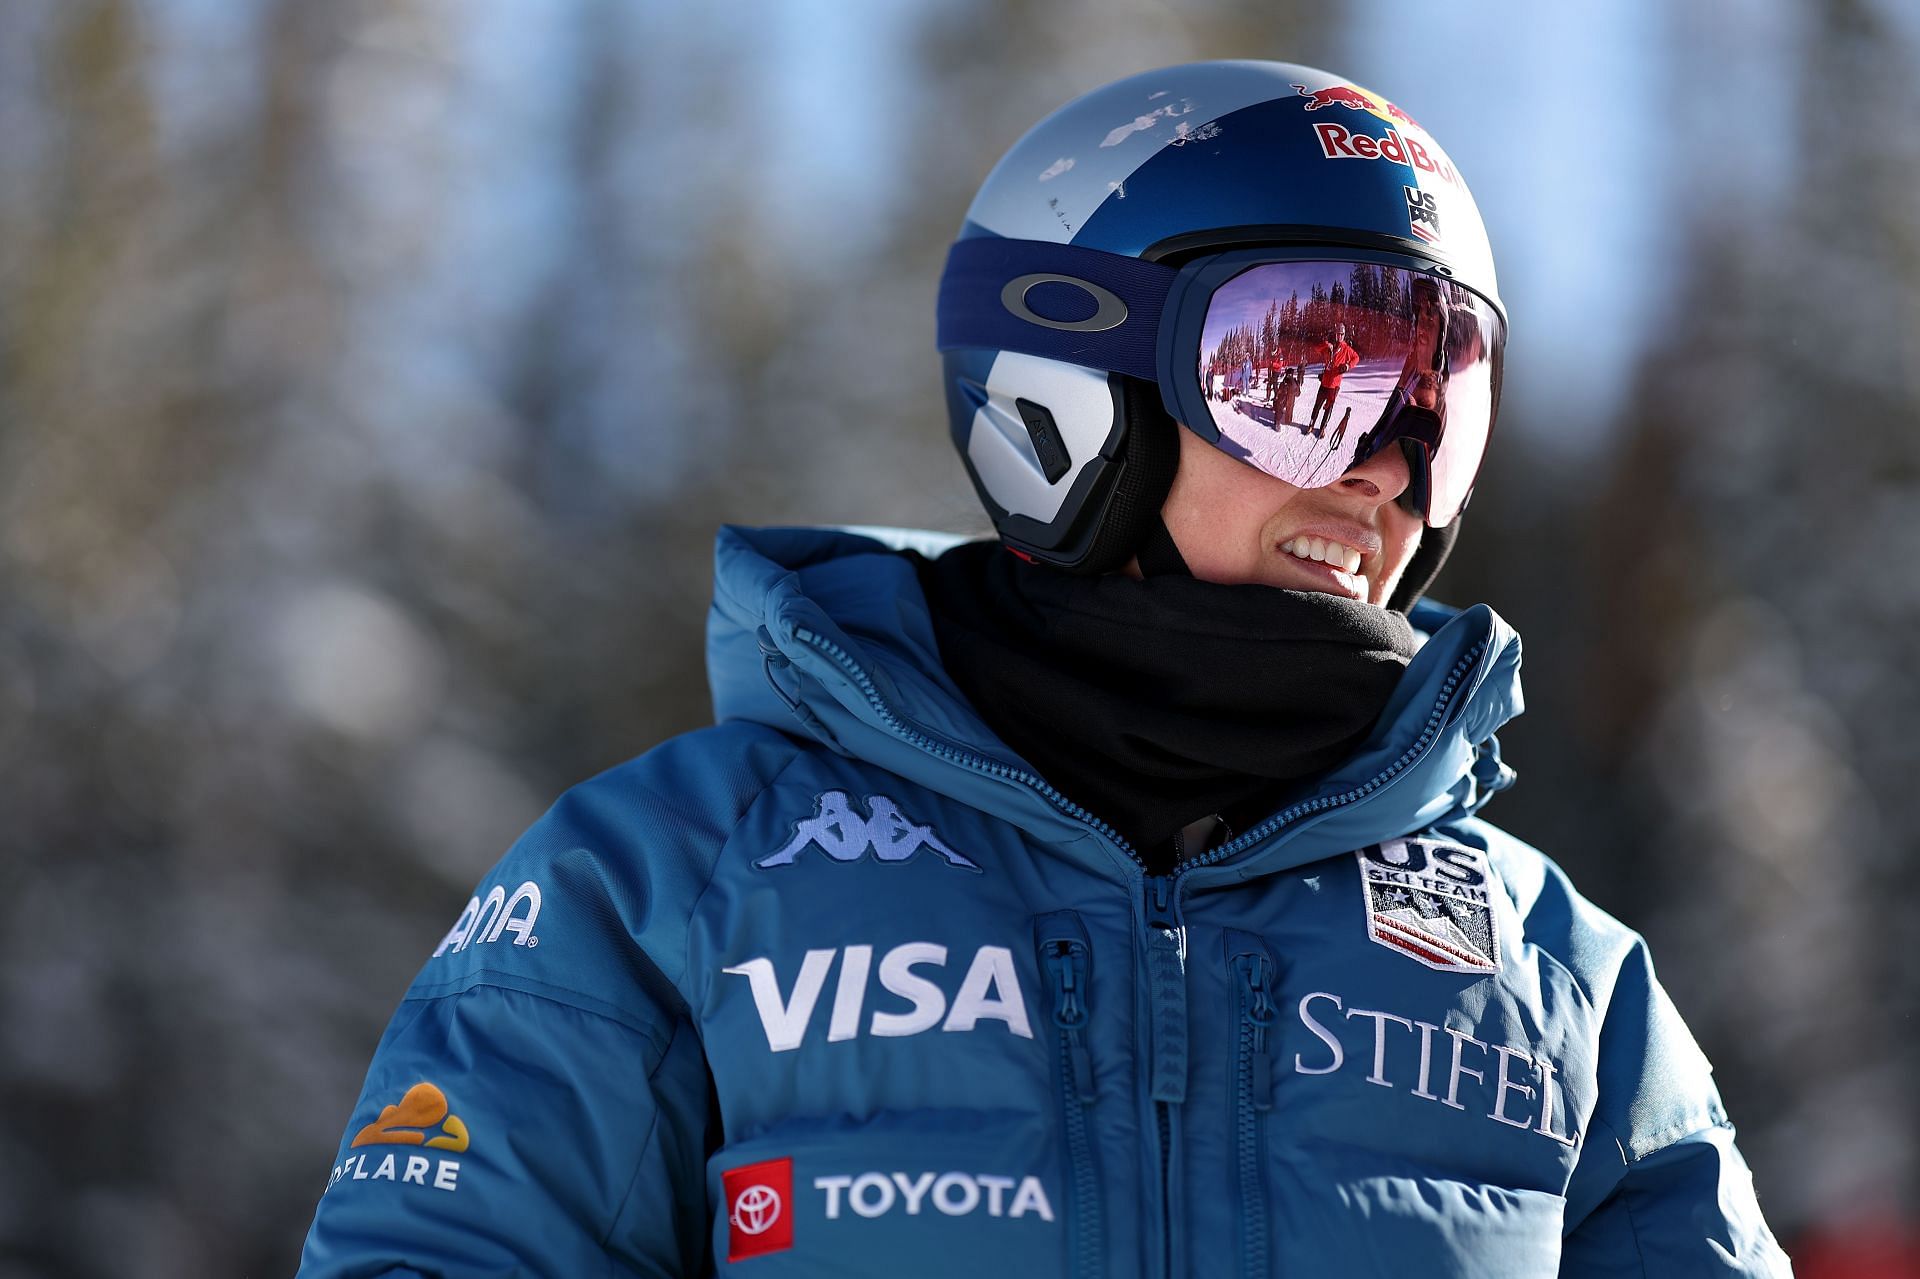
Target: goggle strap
column 1114, row 326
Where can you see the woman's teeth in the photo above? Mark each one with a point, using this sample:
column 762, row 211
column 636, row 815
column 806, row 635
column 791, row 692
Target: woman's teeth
column 1318, row 549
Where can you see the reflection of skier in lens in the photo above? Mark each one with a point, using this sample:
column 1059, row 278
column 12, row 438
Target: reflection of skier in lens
column 1429, row 331
column 1290, row 381
column 1426, row 363
column 1336, row 358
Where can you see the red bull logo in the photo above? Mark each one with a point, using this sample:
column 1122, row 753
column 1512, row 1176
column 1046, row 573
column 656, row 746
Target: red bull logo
column 1339, row 95
column 1337, row 143
column 1355, row 99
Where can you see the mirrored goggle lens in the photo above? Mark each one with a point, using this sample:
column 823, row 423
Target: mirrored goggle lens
column 1309, row 368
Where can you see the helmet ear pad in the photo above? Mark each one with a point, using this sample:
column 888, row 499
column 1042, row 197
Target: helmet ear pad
column 1149, row 456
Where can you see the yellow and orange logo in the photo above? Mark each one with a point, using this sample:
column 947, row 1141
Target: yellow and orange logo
column 422, row 1109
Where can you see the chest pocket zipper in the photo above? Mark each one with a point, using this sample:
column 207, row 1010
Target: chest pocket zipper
column 1066, row 960
column 1254, row 973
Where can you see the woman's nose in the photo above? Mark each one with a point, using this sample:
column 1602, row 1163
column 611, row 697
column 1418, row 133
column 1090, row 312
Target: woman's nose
column 1382, row 477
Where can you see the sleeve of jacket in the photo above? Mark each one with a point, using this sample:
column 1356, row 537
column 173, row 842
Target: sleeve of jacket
column 539, row 1103
column 1660, row 1189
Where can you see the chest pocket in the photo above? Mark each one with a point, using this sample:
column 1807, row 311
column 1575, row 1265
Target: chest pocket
column 908, row 1107
column 1397, row 1131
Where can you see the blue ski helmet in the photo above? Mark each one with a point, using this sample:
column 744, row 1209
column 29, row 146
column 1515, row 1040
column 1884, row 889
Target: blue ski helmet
column 1180, row 246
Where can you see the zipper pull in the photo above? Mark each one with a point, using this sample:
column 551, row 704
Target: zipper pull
column 1159, row 902
column 773, row 660
column 1258, row 1014
column 1166, row 953
column 1067, row 962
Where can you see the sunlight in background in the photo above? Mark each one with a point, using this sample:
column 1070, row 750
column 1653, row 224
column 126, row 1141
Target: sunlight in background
column 1563, row 118
column 1567, row 168
column 836, row 162
column 1574, row 206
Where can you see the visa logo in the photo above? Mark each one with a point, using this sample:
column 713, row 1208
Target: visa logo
column 990, row 991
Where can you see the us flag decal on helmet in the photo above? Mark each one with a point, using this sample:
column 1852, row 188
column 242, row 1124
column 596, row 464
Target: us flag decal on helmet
column 1423, row 214
column 1433, row 901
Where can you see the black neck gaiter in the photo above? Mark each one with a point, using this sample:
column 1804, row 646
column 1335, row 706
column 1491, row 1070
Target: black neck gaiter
column 1155, row 703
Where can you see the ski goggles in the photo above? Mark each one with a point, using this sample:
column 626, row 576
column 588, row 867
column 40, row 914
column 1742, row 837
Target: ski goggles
column 1301, row 363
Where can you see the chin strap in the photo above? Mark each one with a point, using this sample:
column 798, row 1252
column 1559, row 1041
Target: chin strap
column 1158, row 556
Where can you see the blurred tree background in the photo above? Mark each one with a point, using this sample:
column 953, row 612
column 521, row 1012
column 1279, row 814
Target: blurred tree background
column 374, row 375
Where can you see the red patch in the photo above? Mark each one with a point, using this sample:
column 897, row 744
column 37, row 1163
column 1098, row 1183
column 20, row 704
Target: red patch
column 759, row 1208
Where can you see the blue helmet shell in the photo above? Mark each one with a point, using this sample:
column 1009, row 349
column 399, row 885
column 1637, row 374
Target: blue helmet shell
column 1205, row 156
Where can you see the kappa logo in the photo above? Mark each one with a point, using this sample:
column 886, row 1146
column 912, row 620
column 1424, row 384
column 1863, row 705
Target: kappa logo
column 759, row 1216
column 421, row 1118
column 838, row 830
column 1432, row 900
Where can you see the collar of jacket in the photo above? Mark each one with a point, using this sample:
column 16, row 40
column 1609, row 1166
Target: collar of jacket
column 825, row 632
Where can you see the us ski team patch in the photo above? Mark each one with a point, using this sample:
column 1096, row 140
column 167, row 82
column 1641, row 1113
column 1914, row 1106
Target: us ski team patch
column 1432, row 900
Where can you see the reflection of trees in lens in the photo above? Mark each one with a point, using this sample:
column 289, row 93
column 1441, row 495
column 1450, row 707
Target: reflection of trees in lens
column 1385, row 310
column 1376, row 313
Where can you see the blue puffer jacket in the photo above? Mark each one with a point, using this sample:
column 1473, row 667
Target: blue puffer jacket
column 840, row 987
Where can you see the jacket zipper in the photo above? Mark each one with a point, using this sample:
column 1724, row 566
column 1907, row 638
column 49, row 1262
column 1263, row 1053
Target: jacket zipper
column 1065, row 957
column 1166, row 943
column 1253, row 971
column 1168, row 891
column 1435, row 717
column 1163, row 1120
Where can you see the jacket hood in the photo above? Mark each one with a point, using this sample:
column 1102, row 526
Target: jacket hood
column 826, row 633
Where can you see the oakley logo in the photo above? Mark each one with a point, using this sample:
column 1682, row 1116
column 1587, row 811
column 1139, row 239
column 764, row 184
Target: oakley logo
column 838, row 830
column 1109, row 313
